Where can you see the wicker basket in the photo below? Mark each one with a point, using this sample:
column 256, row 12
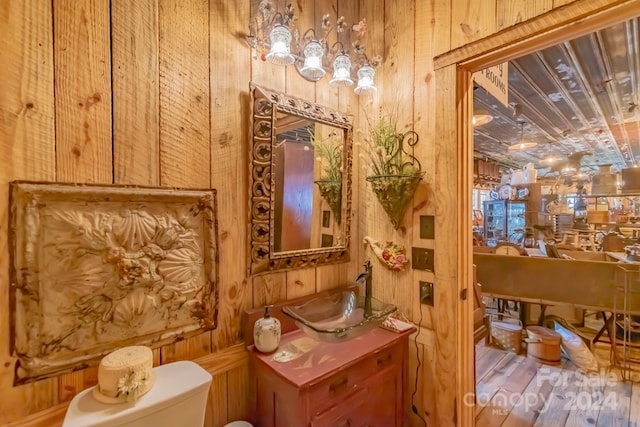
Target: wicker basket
column 507, row 334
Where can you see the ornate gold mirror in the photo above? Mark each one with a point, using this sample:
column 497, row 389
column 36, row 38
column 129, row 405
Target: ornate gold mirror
column 299, row 183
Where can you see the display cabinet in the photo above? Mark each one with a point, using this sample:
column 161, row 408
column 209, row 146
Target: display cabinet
column 504, row 221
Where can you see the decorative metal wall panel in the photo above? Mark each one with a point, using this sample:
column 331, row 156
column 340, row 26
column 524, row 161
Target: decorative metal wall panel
column 94, row 268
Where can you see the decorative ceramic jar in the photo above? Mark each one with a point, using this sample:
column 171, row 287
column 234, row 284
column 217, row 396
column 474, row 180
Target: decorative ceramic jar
column 266, row 332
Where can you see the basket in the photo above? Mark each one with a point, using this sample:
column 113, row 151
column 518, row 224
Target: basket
column 543, row 345
column 507, row 334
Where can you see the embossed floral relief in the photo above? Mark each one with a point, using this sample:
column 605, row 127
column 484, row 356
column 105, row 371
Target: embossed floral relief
column 106, row 266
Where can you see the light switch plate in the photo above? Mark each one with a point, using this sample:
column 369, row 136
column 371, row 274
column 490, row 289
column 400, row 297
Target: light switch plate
column 427, row 227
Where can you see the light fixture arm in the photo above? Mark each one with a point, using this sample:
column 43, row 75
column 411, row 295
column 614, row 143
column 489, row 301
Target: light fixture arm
column 334, row 48
column 306, row 38
column 274, row 38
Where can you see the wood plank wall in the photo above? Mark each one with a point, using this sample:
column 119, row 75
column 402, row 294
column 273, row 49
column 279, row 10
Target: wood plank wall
column 155, row 92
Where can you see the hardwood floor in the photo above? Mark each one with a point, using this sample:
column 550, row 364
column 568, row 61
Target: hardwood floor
column 515, row 391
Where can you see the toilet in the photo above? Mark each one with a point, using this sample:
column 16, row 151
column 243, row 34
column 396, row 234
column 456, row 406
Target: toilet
column 178, row 398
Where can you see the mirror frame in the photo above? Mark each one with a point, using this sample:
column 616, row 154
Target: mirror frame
column 265, row 103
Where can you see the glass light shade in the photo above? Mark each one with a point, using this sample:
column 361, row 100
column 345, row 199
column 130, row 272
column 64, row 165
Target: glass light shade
column 522, row 145
column 312, row 68
column 481, row 119
column 280, row 52
column 341, row 71
column 365, row 79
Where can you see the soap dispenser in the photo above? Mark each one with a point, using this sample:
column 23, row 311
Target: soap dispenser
column 266, row 332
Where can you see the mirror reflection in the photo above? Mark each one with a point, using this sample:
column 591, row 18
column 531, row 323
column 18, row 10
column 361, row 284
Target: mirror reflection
column 300, row 182
column 307, row 166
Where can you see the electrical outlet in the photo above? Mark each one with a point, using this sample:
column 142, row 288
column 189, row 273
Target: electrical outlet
column 426, row 293
column 422, row 259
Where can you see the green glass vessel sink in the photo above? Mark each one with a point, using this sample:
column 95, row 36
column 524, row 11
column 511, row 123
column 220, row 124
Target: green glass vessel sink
column 338, row 316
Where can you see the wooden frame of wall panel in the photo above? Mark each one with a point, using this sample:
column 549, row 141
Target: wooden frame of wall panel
column 454, row 70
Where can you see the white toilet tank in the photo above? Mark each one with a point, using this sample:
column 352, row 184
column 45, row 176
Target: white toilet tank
column 178, row 398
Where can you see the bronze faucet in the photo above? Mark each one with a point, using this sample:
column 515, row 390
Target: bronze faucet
column 367, row 276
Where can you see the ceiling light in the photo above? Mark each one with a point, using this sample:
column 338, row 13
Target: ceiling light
column 550, row 158
column 311, row 53
column 522, row 144
column 480, row 117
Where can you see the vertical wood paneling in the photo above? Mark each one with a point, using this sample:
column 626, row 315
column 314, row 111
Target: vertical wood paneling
column 217, row 404
column 424, row 91
column 269, row 289
column 134, row 32
column 300, row 283
column 330, row 277
column 430, row 19
column 471, row 20
column 82, row 90
column 373, row 220
column 272, row 287
column 184, row 93
column 189, row 128
column 184, row 117
column 83, row 108
column 230, row 71
column 398, row 101
column 237, row 393
column 347, row 101
column 512, row 12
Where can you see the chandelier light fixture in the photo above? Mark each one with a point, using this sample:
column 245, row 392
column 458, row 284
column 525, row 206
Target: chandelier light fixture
column 275, row 38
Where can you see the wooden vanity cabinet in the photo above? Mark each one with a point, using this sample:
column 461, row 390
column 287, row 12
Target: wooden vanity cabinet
column 356, row 383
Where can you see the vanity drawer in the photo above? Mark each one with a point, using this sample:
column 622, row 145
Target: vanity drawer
column 349, row 413
column 339, row 386
column 390, row 356
column 336, row 388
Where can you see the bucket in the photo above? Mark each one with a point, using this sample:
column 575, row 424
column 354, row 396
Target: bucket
column 543, row 345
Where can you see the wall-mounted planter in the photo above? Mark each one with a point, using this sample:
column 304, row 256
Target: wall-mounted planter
column 394, row 193
column 331, row 191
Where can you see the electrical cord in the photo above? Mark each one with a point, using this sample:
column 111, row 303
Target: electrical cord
column 414, row 408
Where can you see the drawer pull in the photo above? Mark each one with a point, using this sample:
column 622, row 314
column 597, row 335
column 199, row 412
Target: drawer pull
column 384, row 360
column 345, row 423
column 335, row 387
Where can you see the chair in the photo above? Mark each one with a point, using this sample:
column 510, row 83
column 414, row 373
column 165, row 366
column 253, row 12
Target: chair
column 481, row 325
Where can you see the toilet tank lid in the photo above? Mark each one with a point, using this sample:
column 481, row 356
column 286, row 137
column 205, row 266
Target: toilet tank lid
column 174, row 381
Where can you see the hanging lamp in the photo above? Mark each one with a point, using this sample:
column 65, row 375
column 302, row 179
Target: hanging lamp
column 522, row 145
